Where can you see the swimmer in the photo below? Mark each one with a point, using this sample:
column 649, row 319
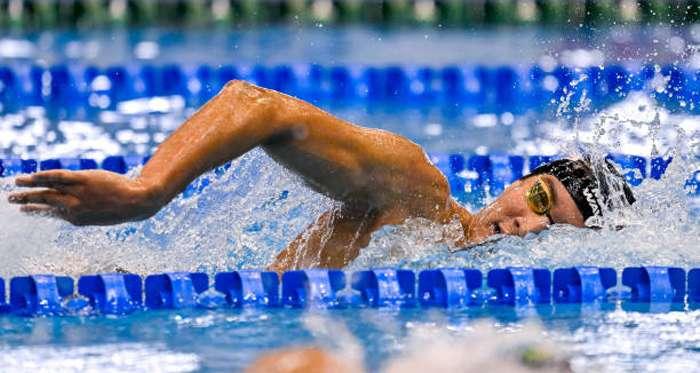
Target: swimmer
column 378, row 177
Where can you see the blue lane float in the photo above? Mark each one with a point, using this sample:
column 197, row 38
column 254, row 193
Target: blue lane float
column 655, row 284
column 485, row 89
column 50, row 164
column 658, row 166
column 651, row 289
column 122, row 164
column 39, row 295
column 385, row 286
column 313, row 287
column 174, row 290
column 582, row 284
column 249, row 288
column 535, row 161
column 694, row 286
column 449, row 287
column 73, row 164
column 692, row 185
column 4, row 306
column 12, row 167
column 114, row 293
column 516, row 285
column 505, row 169
column 634, row 167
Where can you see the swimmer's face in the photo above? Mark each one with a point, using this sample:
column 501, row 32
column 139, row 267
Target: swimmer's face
column 530, row 205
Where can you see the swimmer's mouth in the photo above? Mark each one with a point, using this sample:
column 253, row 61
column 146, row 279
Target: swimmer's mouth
column 496, row 235
column 487, row 240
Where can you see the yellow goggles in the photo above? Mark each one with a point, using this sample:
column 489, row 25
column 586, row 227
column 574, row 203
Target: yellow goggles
column 539, row 197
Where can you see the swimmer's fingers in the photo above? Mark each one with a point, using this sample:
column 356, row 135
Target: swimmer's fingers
column 42, row 210
column 45, row 203
column 48, row 179
column 49, row 197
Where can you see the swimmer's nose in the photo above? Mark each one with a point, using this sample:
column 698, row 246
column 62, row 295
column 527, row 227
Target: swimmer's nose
column 512, row 226
column 518, row 224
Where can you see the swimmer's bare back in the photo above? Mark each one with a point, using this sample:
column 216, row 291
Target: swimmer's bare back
column 379, row 177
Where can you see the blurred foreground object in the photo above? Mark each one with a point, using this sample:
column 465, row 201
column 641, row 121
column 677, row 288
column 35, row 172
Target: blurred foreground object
column 300, row 360
column 486, row 349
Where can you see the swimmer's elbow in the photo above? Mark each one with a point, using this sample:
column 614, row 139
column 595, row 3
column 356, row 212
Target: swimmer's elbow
column 440, row 183
column 262, row 106
column 247, row 93
column 236, row 85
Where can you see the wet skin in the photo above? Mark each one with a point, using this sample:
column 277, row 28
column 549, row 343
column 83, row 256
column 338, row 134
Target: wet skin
column 379, row 177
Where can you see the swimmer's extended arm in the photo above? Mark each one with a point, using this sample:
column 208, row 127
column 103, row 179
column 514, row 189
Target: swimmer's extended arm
column 365, row 168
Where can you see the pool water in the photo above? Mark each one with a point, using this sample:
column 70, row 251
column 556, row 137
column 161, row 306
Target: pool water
column 247, row 215
column 228, row 340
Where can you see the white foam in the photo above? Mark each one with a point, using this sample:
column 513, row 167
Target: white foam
column 241, row 221
column 121, row 357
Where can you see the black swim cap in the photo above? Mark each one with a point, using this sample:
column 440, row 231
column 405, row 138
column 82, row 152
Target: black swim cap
column 592, row 188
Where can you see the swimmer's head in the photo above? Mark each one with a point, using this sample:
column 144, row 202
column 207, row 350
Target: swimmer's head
column 565, row 191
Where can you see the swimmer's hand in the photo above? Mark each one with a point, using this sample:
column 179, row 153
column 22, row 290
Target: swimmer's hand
column 85, row 197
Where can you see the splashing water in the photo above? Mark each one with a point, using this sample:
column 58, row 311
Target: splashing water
column 661, row 228
column 251, row 212
column 241, row 220
column 125, row 357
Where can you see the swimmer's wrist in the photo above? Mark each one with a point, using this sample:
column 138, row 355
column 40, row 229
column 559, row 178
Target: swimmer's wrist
column 148, row 197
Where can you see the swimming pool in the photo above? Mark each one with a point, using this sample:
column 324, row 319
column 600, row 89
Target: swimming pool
column 228, row 339
column 204, row 233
